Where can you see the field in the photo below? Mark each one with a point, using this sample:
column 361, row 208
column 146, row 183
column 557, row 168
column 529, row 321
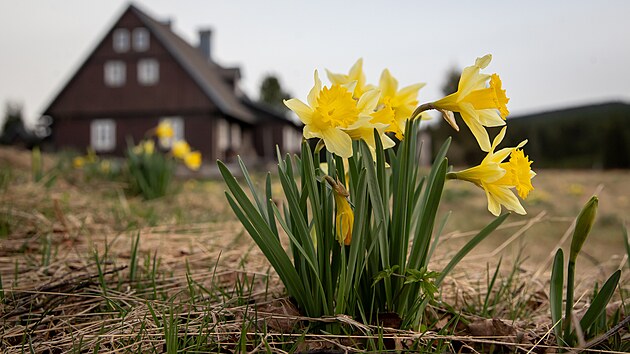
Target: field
column 86, row 267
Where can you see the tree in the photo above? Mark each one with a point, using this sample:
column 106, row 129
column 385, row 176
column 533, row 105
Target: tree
column 14, row 129
column 272, row 94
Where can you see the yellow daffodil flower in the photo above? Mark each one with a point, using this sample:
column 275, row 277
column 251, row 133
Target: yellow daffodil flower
column 480, row 106
column 78, row 162
column 497, row 177
column 355, row 75
column 164, row 130
column 148, row 147
column 395, row 106
column 144, row 147
column 180, row 149
column 333, row 115
column 192, row 160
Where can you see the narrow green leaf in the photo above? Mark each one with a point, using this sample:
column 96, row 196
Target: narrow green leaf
column 556, row 285
column 599, row 303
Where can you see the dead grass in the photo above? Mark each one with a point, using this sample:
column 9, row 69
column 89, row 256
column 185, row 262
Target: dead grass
column 72, row 281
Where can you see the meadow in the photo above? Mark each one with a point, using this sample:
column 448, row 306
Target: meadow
column 86, row 267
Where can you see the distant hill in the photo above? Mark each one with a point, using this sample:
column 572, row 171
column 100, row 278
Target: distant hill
column 593, row 136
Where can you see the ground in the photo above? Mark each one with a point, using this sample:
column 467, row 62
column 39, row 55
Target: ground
column 85, row 266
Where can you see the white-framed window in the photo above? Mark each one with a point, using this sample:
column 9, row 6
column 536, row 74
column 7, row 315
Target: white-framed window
column 177, row 123
column 148, row 71
column 291, row 139
column 121, row 40
column 223, row 138
column 140, row 39
column 103, row 134
column 235, row 136
column 115, row 73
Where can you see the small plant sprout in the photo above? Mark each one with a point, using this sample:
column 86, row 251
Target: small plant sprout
column 151, row 170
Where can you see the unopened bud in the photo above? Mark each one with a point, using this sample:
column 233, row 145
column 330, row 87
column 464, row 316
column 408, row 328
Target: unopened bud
column 583, row 225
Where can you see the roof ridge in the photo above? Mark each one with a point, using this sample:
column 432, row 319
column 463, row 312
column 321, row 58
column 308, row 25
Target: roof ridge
column 204, row 72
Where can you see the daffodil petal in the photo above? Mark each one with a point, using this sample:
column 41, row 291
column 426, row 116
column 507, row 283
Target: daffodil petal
column 490, row 118
column 314, row 93
column 337, row 142
column 309, row 133
column 368, row 101
column 410, row 92
column 484, row 61
column 388, row 84
column 506, row 197
column 303, row 111
column 469, row 115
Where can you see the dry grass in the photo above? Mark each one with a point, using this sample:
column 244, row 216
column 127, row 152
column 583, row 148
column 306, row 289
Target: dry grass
column 72, row 281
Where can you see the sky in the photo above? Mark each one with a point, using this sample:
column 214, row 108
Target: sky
column 549, row 54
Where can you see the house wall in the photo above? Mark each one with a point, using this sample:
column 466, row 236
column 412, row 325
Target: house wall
column 75, row 134
column 87, row 93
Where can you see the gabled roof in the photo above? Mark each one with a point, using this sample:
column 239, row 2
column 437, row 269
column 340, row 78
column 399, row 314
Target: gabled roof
column 207, row 74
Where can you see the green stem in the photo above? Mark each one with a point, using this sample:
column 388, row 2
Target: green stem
column 569, row 304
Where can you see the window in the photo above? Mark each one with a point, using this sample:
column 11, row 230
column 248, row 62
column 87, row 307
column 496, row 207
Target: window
column 235, row 136
column 103, row 134
column 121, row 40
column 115, row 73
column 223, row 141
column 177, row 123
column 291, row 139
column 148, row 71
column 140, row 39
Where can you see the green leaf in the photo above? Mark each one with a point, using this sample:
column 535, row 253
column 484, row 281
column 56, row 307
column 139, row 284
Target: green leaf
column 598, row 306
column 555, row 294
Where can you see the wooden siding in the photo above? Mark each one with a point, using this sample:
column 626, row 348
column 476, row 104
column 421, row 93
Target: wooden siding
column 87, row 93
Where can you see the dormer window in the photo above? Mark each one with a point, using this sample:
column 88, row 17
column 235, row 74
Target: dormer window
column 121, row 40
column 148, row 72
column 140, row 39
column 115, row 73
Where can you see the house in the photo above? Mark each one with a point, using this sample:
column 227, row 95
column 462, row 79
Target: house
column 141, row 73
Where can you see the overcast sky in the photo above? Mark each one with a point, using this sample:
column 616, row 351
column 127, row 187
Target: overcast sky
column 550, row 54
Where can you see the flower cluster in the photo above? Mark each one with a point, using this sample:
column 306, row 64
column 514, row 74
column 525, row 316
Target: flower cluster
column 350, row 109
column 482, row 102
column 178, row 148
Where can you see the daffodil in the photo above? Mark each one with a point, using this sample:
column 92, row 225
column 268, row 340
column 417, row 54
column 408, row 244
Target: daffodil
column 333, row 115
column 479, row 104
column 180, row 149
column 498, row 178
column 164, row 130
column 395, row 106
column 144, row 147
column 355, row 75
column 192, row 160
column 78, row 162
column 148, row 147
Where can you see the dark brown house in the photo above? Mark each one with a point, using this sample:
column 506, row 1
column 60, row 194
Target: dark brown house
column 141, row 73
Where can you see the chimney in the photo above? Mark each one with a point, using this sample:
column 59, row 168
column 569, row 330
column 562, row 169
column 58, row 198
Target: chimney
column 168, row 23
column 205, row 43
